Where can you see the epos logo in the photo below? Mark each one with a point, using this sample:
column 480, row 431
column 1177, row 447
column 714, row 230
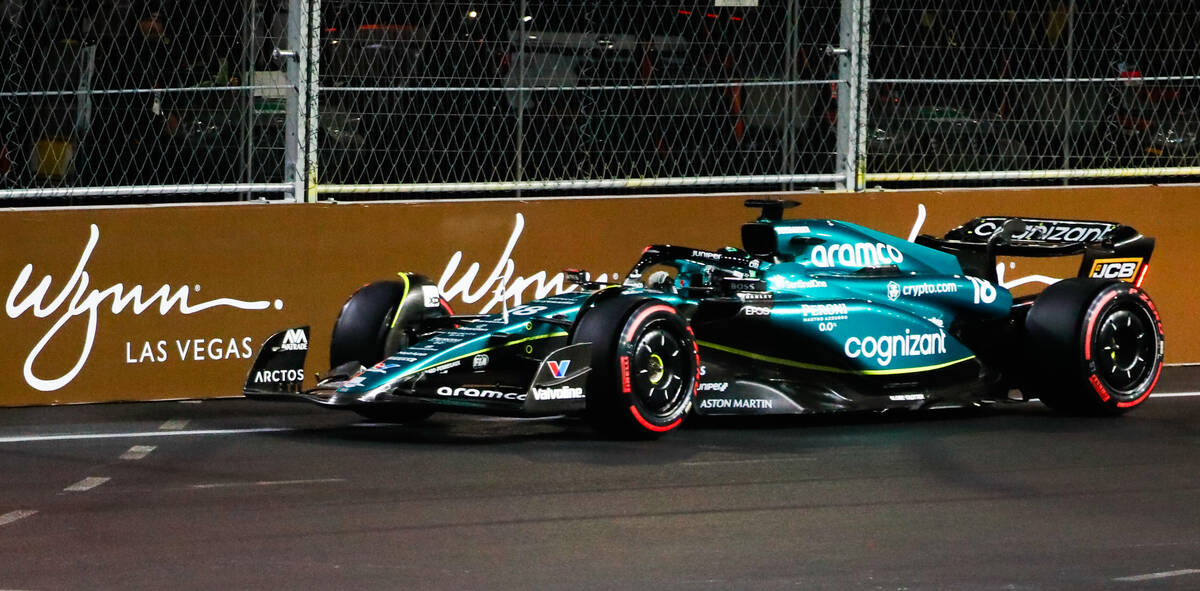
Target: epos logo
column 558, row 369
column 1123, row 269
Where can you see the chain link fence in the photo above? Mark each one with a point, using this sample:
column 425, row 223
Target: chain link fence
column 107, row 99
column 126, row 97
column 569, row 95
column 1024, row 90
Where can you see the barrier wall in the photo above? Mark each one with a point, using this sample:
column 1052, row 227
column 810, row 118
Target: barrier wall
column 142, row 303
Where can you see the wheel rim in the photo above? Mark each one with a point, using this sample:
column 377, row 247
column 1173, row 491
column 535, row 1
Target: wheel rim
column 1126, row 348
column 660, row 363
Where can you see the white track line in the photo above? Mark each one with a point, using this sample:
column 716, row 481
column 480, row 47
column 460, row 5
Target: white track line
column 12, row 516
column 136, row 434
column 266, row 483
column 520, row 419
column 751, row 461
column 1174, row 394
column 173, row 425
column 87, row 484
column 76, row 436
column 1161, row 575
column 137, row 452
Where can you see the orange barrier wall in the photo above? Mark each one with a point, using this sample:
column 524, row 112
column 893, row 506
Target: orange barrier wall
column 140, row 303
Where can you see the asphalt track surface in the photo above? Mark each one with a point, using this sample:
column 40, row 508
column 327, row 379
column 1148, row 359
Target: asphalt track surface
column 245, row 495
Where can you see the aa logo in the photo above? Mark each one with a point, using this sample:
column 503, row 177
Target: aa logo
column 296, row 339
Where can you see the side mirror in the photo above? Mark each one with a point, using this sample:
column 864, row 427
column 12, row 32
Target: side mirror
column 578, row 277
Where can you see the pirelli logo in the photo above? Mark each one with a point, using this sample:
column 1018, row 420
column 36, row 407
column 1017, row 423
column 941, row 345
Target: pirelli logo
column 1123, row 269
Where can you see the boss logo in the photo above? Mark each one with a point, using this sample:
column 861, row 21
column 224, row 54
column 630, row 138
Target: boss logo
column 1123, row 269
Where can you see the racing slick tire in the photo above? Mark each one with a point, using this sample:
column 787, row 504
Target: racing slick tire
column 644, row 366
column 1095, row 346
column 378, row 320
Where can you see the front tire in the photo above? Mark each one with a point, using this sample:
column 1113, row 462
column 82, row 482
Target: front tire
column 378, row 320
column 1096, row 347
column 644, row 366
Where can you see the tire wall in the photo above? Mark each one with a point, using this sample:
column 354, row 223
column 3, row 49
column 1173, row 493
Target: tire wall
column 148, row 303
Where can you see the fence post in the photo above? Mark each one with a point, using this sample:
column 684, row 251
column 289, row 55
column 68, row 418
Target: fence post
column 301, row 59
column 852, row 93
column 313, row 64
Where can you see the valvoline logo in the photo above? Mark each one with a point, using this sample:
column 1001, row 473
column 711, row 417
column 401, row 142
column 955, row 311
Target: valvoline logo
column 558, row 369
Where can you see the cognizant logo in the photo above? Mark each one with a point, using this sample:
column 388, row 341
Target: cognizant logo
column 885, row 348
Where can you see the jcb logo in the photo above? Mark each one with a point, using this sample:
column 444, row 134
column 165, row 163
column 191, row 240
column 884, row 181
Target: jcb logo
column 294, row 340
column 1123, row 269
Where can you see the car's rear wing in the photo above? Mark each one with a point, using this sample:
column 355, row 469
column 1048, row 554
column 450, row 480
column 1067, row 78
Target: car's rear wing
column 1110, row 250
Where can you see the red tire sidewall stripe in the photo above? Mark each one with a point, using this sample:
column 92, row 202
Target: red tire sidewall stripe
column 631, row 331
column 1139, row 399
column 632, row 328
column 1093, row 379
column 651, row 426
column 1094, row 313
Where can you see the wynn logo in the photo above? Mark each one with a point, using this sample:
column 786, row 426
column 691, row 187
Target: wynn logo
column 500, row 284
column 77, row 298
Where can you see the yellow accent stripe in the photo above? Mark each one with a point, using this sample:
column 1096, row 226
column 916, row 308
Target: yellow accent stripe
column 560, row 333
column 824, row 368
column 403, row 299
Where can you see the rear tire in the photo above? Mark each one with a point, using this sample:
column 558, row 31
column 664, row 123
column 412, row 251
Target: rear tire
column 376, row 321
column 1095, row 347
column 644, row 366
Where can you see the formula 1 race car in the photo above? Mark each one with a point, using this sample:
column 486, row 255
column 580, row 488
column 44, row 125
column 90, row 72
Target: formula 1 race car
column 810, row 316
